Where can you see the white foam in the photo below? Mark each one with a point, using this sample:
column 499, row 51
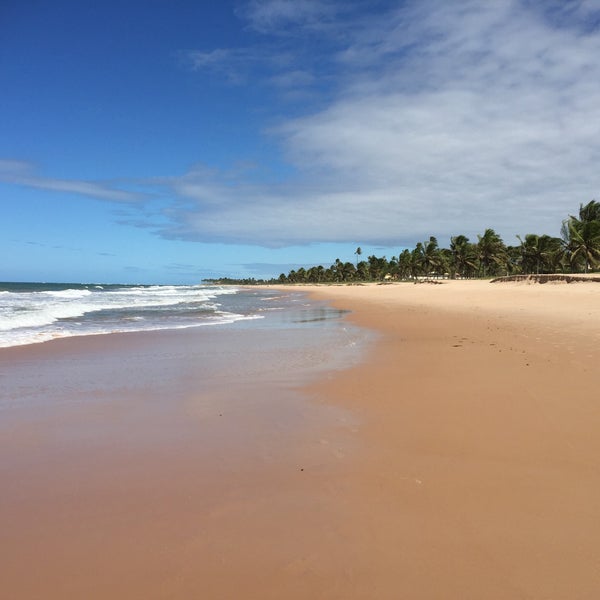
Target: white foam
column 27, row 336
column 66, row 293
column 29, row 317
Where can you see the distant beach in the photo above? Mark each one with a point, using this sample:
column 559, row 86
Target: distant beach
column 438, row 441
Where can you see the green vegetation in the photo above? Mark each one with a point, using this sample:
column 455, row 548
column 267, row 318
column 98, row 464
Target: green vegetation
column 576, row 251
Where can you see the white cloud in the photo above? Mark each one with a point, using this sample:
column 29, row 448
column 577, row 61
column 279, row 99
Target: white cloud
column 289, row 29
column 450, row 118
column 235, row 64
column 23, row 173
column 440, row 118
column 293, row 79
column 273, row 16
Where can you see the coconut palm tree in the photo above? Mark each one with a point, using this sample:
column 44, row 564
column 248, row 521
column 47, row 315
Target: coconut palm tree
column 357, row 252
column 378, row 267
column 491, row 252
column 337, row 269
column 404, row 264
column 431, row 260
column 348, row 271
column 582, row 242
column 530, row 253
column 362, row 270
column 464, row 256
column 416, row 260
column 315, row 274
column 550, row 251
column 590, row 211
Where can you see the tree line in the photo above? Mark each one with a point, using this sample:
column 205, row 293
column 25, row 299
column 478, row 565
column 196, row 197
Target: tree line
column 577, row 250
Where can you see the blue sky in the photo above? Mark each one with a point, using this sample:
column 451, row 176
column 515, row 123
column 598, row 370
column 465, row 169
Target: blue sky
column 163, row 142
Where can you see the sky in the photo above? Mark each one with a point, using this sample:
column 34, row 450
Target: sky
column 156, row 141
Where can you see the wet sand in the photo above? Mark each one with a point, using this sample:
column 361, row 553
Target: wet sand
column 461, row 459
column 165, row 465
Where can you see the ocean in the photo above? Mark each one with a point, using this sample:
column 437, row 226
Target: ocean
column 38, row 312
column 163, row 340
column 169, row 424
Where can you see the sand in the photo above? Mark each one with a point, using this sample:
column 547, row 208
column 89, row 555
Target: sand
column 461, row 459
column 481, row 412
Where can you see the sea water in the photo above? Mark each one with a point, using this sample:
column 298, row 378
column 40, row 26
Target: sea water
column 37, row 312
column 204, row 337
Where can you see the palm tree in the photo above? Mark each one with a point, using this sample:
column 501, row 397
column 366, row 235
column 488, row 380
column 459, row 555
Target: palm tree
column 348, row 271
column 337, row 269
column 362, row 270
column 393, row 267
column 404, row 264
column 553, row 253
column 301, row 275
column 358, row 252
column 550, row 251
column 530, row 253
column 582, row 242
column 431, row 259
column 315, row 274
column 464, row 256
column 589, row 212
column 416, row 260
column 579, row 249
column 491, row 252
column 377, row 267
column 581, row 237
column 330, row 274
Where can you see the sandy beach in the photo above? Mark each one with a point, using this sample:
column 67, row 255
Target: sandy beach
column 460, row 459
column 480, row 476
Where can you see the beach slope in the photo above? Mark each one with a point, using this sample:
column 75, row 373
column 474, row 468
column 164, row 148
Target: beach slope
column 480, row 409
column 460, row 459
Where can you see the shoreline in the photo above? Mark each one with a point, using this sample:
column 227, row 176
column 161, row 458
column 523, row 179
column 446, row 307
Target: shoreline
column 458, row 459
column 155, row 465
